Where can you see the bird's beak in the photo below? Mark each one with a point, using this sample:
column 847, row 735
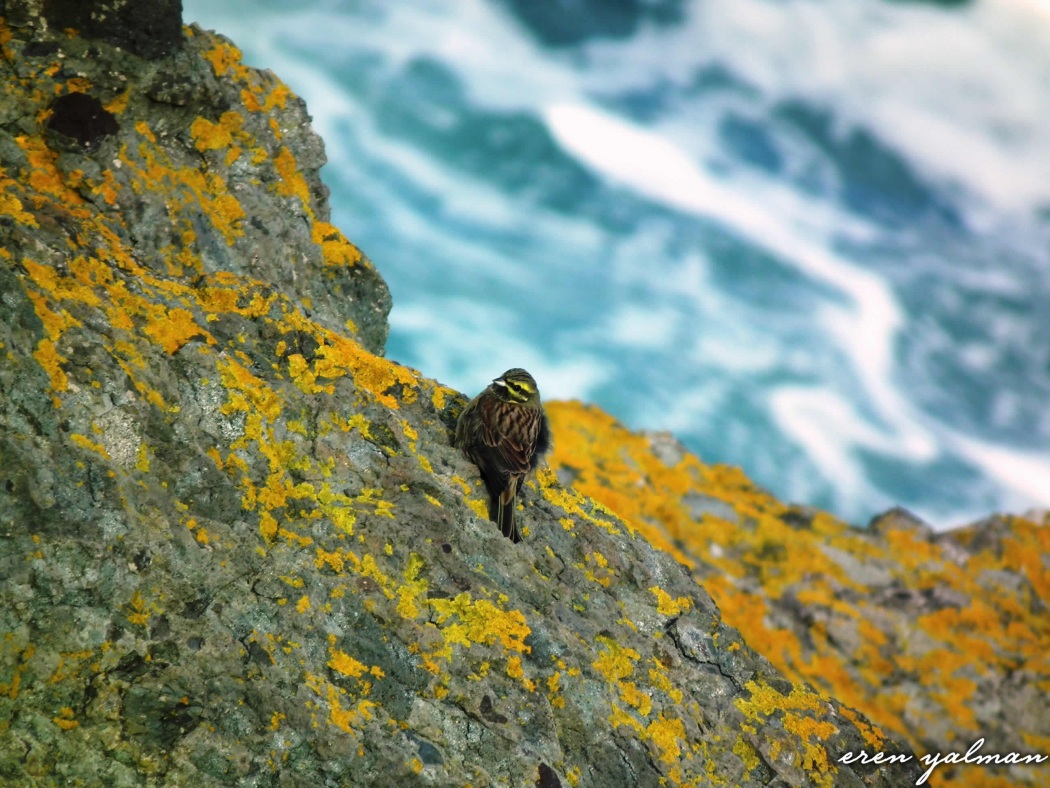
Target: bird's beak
column 499, row 382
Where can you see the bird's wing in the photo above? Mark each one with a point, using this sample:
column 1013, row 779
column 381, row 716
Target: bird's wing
column 516, row 452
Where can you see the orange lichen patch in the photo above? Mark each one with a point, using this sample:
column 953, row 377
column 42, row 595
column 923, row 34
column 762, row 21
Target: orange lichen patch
column 292, row 184
column 65, row 719
column 640, row 700
column 78, row 85
column 10, row 205
column 616, row 662
column 343, row 663
column 596, row 569
column 339, row 508
column 108, row 189
column 389, row 383
column 248, row 393
column 413, row 590
column 660, row 679
column 800, row 711
column 48, row 357
column 747, row 754
column 572, row 502
column 140, row 614
column 1029, row 551
column 45, row 178
column 12, row 687
column 77, row 288
column 347, row 718
column 479, row 508
column 175, row 329
column 668, row 735
column 69, row 665
column 212, row 136
column 910, row 551
column 439, row 396
column 277, row 97
column 872, row 735
column 118, row 104
column 153, row 171
column 465, row 621
column 86, row 443
column 225, row 59
column 227, row 293
column 615, row 470
column 666, row 606
column 516, row 671
column 336, row 251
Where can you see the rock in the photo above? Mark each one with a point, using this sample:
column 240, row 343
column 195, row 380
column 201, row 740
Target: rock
column 939, row 638
column 237, row 546
column 150, row 29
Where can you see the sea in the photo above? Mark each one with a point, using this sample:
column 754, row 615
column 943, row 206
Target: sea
column 810, row 238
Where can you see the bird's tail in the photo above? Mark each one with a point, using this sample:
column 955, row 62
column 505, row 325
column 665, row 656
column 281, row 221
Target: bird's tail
column 501, row 512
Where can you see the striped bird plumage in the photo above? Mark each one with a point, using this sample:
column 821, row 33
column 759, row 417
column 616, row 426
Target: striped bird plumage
column 504, row 432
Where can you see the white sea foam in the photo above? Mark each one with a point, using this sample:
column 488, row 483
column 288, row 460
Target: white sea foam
column 478, row 340
column 964, row 94
column 1025, row 474
column 637, row 327
column 865, row 329
column 828, row 427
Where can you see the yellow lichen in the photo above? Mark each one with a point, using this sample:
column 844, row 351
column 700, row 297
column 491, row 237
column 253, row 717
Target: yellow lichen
column 336, row 251
column 343, row 663
column 86, row 443
column 668, row 735
column 212, row 136
column 65, row 720
column 413, row 589
column 666, row 606
column 465, row 621
column 292, row 181
column 615, row 662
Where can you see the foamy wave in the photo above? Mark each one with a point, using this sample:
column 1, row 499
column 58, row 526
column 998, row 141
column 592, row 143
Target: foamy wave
column 963, row 93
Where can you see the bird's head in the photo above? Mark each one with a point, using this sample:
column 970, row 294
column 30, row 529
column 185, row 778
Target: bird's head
column 516, row 385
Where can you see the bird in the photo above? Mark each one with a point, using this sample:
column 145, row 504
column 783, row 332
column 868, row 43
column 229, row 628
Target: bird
column 505, row 432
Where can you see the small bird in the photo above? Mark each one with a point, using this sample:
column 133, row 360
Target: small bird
column 504, row 432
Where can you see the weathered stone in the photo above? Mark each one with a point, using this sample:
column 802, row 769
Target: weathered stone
column 938, row 637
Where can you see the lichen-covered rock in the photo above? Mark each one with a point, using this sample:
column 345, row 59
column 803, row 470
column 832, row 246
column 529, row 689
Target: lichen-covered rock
column 194, row 166
column 236, row 545
column 941, row 639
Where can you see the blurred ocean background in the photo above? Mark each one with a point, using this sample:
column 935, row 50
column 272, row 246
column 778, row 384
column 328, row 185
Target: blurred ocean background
column 811, row 238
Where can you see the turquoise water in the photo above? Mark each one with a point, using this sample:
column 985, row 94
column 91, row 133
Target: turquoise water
column 811, row 239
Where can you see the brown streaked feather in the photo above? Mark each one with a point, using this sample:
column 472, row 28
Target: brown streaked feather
column 512, row 431
column 504, row 432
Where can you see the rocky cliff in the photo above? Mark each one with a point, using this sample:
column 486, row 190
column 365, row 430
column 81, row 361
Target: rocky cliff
column 939, row 638
column 238, row 549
